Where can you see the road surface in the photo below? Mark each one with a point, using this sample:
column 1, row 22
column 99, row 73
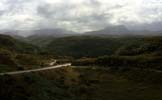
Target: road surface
column 36, row 70
column 52, row 63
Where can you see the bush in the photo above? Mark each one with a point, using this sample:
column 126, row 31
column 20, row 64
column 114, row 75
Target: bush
column 7, row 58
column 26, row 59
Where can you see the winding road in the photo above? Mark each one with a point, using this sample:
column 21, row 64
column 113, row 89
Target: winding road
column 35, row 70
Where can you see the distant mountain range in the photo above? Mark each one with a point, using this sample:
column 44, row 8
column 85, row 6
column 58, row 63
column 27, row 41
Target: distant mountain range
column 40, row 32
column 90, row 44
column 42, row 36
column 121, row 30
column 55, row 33
column 111, row 30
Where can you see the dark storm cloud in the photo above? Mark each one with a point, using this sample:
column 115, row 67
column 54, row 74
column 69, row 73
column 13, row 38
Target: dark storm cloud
column 80, row 15
column 54, row 10
column 92, row 16
column 43, row 10
column 14, row 6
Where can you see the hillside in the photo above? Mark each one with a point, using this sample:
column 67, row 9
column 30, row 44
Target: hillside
column 82, row 84
column 106, row 66
column 121, row 30
column 111, row 30
column 93, row 46
column 18, row 55
column 12, row 44
column 44, row 36
column 82, row 46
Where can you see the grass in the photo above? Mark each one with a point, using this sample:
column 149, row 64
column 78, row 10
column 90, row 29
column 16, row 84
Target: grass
column 82, row 84
column 6, row 68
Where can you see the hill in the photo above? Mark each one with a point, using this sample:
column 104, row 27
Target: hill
column 15, row 45
column 44, row 36
column 94, row 46
column 82, row 84
column 83, row 46
column 111, row 30
column 16, row 55
column 121, row 30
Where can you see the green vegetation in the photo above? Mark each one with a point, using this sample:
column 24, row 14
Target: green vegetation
column 18, row 55
column 82, row 84
column 14, row 45
column 10, row 61
column 134, row 52
column 142, row 62
column 39, row 40
column 140, row 52
column 128, row 68
column 91, row 46
column 85, row 46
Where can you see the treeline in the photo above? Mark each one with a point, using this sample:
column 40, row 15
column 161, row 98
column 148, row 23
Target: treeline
column 10, row 61
column 117, row 52
column 92, row 46
column 141, row 52
column 18, row 55
column 142, row 62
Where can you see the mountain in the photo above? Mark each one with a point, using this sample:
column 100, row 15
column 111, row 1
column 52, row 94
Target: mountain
column 38, row 37
column 94, row 46
column 85, row 46
column 121, row 30
column 52, row 32
column 111, row 30
column 40, row 32
column 9, row 43
column 44, row 36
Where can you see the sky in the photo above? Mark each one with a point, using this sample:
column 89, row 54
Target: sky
column 80, row 15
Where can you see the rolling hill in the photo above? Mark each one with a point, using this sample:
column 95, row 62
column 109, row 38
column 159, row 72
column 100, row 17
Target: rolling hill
column 44, row 36
column 94, row 46
column 111, row 30
column 15, row 45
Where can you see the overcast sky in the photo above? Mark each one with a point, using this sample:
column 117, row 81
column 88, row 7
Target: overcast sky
column 79, row 15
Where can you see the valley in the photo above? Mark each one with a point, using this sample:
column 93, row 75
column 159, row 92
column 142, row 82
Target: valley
column 80, row 49
column 81, row 67
column 76, row 83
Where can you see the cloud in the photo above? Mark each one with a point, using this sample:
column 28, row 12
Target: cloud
column 78, row 15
